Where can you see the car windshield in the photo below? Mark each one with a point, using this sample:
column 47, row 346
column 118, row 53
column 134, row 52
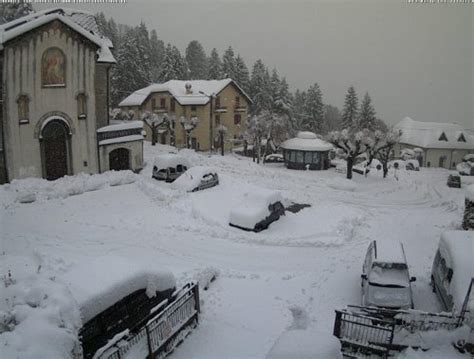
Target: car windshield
column 391, row 275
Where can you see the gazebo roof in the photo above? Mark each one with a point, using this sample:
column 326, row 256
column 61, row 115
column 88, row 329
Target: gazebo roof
column 306, row 141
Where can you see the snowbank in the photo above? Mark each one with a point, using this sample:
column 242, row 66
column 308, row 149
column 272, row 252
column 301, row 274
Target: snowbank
column 37, row 189
column 470, row 192
column 192, row 177
column 98, row 284
column 343, row 184
column 254, row 208
column 305, row 344
column 38, row 319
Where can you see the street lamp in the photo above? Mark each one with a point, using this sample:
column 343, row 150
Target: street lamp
column 211, row 96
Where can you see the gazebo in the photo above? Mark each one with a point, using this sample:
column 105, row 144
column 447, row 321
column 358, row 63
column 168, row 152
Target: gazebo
column 306, row 151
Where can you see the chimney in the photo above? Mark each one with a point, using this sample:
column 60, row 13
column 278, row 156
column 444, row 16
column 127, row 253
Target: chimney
column 188, row 88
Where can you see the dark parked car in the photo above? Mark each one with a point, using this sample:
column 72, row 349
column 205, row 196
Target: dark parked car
column 454, row 181
column 258, row 211
column 169, row 166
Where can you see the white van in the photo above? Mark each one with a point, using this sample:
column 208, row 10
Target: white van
column 453, row 269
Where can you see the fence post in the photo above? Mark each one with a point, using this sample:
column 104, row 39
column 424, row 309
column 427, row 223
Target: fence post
column 196, row 297
column 148, row 339
column 337, row 324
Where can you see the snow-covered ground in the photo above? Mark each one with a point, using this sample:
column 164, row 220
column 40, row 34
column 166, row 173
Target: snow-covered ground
column 299, row 270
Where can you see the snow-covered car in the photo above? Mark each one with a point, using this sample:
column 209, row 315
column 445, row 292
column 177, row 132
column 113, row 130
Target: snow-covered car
column 169, row 166
column 117, row 297
column 454, row 181
column 258, row 211
column 274, row 158
column 465, row 168
column 452, row 278
column 197, row 178
column 305, row 344
column 385, row 279
column 412, row 165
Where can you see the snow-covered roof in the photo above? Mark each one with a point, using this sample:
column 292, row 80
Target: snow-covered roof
column 177, row 88
column 434, row 134
column 170, row 160
column 254, row 208
column 121, row 139
column 306, row 141
column 98, row 284
column 121, row 126
column 389, row 252
column 457, row 248
column 82, row 22
column 192, row 177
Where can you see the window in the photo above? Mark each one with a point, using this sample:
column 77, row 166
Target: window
column 218, row 102
column 443, row 137
column 23, row 102
column 153, row 103
column 316, row 158
column 299, row 157
column 292, row 156
column 162, row 103
column 218, row 120
column 53, row 68
column 461, row 138
column 237, row 119
column 308, row 157
column 237, row 101
column 173, row 105
column 81, row 106
column 193, row 108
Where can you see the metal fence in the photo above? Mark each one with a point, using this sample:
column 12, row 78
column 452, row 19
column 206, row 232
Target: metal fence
column 165, row 330
column 363, row 334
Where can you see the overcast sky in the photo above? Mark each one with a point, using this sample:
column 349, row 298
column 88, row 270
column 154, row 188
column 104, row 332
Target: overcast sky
column 415, row 60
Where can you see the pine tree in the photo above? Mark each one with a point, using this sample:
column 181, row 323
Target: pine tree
column 142, row 43
column 14, row 10
column 229, row 63
column 260, row 91
column 129, row 74
column 241, row 74
column 169, row 70
column 157, row 53
column 332, row 119
column 298, row 104
column 180, row 65
column 367, row 117
column 214, row 71
column 350, row 111
column 274, row 87
column 196, row 60
column 313, row 116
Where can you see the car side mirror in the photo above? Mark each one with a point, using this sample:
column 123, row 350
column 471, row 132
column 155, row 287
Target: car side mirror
column 413, row 279
column 363, row 276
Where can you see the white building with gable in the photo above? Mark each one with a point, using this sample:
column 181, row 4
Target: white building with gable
column 436, row 144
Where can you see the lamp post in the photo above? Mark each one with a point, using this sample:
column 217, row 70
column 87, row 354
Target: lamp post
column 211, row 96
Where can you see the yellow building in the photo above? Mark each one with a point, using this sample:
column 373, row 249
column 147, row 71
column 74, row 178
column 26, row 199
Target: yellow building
column 186, row 102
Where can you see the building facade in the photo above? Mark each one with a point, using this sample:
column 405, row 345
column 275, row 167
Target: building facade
column 435, row 144
column 54, row 68
column 208, row 107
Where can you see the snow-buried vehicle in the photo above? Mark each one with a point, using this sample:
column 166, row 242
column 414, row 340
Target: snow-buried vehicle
column 258, row 210
column 124, row 303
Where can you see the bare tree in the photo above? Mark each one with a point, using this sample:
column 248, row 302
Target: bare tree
column 385, row 149
column 222, row 131
column 189, row 124
column 352, row 144
column 153, row 121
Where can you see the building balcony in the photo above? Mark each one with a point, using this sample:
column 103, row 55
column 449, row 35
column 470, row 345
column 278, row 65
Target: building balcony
column 220, row 109
column 160, row 109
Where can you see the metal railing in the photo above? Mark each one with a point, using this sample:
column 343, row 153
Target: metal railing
column 163, row 331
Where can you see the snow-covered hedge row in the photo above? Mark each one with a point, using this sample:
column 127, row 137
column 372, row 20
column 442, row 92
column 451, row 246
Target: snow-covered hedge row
column 36, row 189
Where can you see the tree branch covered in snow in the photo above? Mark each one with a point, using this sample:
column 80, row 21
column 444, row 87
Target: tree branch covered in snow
column 189, row 124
